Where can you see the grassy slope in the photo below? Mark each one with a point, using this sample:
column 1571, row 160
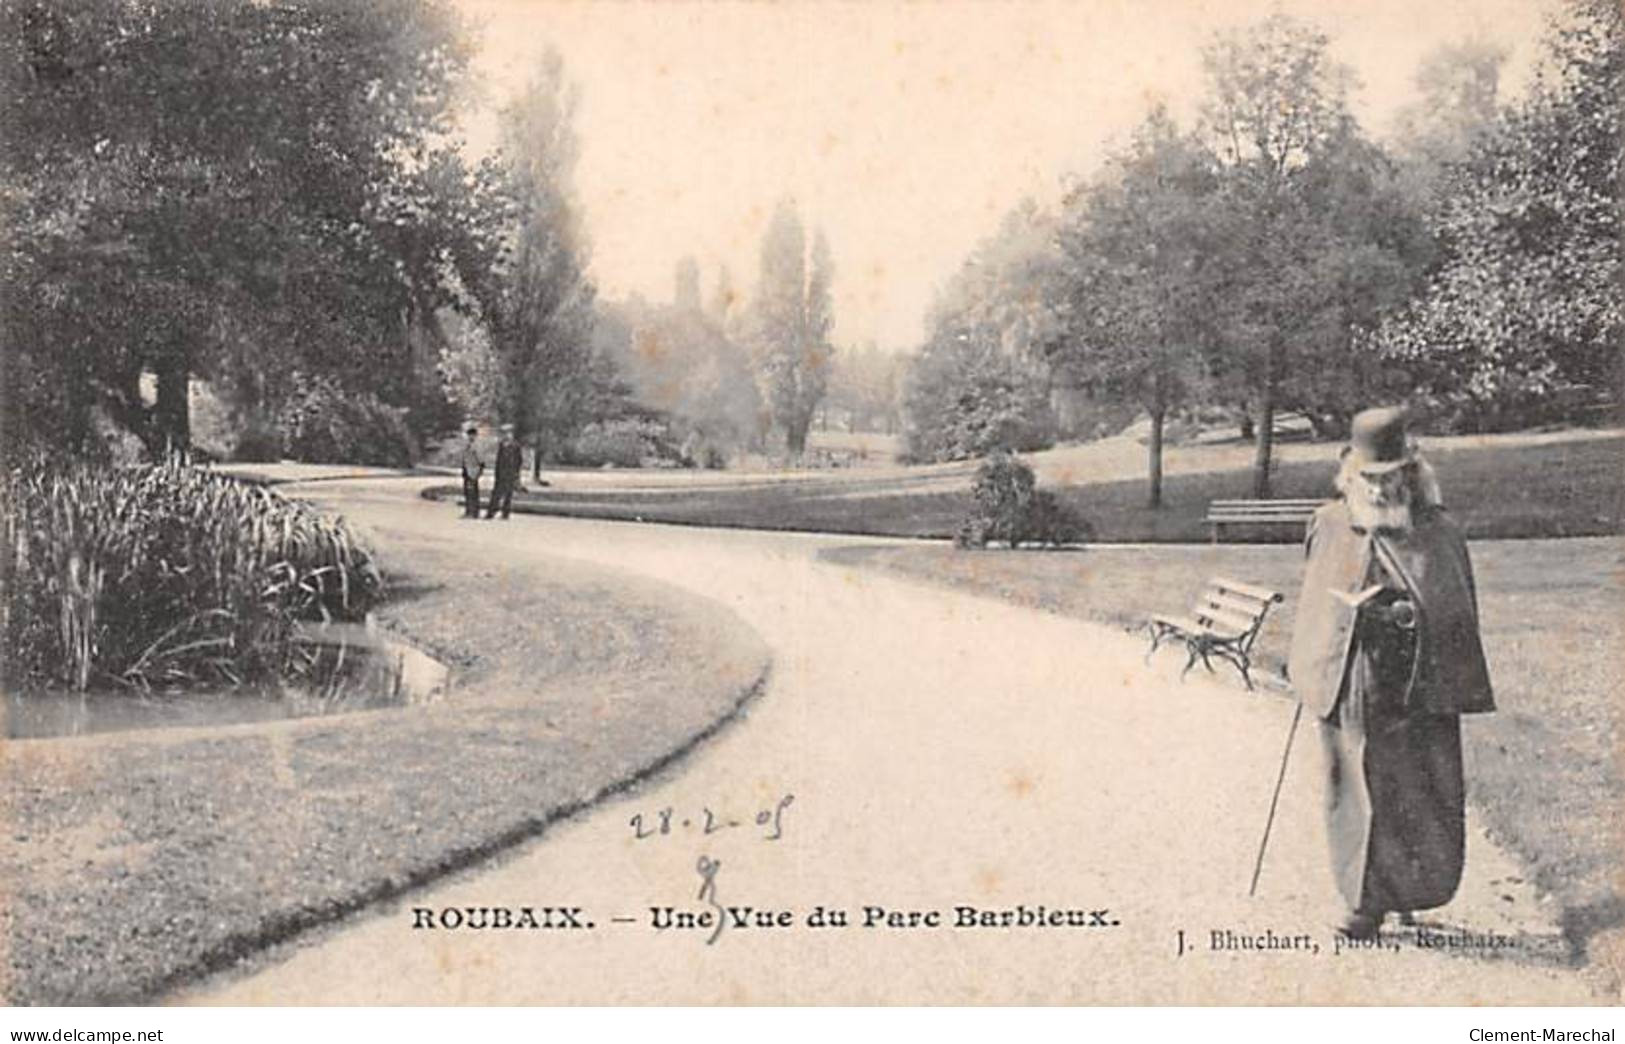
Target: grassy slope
column 1565, row 489
column 136, row 861
column 1545, row 770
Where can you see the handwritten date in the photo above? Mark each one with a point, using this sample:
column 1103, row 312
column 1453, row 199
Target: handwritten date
column 768, row 821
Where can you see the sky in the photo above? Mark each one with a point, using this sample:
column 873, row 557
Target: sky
column 905, row 131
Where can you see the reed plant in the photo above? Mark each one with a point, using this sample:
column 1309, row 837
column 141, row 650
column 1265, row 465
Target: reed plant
column 166, row 575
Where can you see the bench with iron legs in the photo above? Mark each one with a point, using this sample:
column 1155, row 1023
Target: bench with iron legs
column 1259, row 512
column 1224, row 622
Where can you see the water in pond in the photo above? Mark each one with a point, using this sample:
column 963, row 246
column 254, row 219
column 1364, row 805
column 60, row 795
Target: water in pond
column 360, row 668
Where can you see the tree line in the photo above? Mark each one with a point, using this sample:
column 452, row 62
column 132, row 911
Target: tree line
column 732, row 372
column 256, row 193
column 1274, row 257
column 276, row 199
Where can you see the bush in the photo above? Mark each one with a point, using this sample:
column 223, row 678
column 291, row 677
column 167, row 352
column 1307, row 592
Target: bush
column 258, row 443
column 1010, row 508
column 1461, row 414
column 959, row 412
column 630, row 442
column 430, row 415
column 324, row 424
column 166, row 575
column 700, row 450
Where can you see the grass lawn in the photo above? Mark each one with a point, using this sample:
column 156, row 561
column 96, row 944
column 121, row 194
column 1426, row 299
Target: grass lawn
column 1496, row 489
column 1544, row 771
column 136, row 862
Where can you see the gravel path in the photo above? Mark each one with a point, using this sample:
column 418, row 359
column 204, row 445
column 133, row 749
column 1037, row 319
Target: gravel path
column 140, row 860
column 938, row 750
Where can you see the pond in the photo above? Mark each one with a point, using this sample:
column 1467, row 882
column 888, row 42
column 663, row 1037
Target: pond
column 358, row 668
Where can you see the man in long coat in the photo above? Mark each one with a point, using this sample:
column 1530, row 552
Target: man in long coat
column 506, row 478
column 1387, row 656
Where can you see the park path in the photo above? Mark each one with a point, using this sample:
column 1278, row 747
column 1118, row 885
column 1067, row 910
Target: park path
column 940, row 749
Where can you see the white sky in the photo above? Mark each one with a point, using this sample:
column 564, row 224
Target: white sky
column 906, row 131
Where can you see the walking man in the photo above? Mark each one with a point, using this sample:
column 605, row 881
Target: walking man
column 507, row 473
column 1386, row 655
column 473, row 468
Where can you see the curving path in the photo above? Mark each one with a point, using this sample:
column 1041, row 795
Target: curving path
column 941, row 750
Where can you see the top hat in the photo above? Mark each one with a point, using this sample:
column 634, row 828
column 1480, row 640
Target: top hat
column 1377, row 439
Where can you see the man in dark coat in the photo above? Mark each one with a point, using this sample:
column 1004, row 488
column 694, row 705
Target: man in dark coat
column 473, row 468
column 1386, row 655
column 507, row 473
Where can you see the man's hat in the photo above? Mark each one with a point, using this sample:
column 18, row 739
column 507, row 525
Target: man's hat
column 472, row 429
column 507, row 429
column 1377, row 439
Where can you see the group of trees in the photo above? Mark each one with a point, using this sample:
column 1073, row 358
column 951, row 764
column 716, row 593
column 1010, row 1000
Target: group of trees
column 788, row 325
column 1275, row 257
column 238, row 190
column 731, row 373
column 980, row 382
column 1237, row 263
column 1526, row 300
column 685, row 360
column 274, row 198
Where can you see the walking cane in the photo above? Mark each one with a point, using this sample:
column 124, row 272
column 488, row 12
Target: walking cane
column 1274, row 800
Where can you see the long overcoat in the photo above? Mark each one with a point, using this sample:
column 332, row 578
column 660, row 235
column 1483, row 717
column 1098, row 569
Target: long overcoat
column 1430, row 559
column 508, row 463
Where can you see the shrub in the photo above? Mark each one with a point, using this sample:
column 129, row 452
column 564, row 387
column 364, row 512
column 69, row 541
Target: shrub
column 430, row 415
column 258, row 443
column 629, row 442
column 1010, row 508
column 166, row 575
column 962, row 408
column 612, row 443
column 325, row 424
column 702, row 450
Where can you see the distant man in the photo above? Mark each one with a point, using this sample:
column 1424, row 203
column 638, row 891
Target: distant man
column 507, row 473
column 473, row 468
column 1386, row 654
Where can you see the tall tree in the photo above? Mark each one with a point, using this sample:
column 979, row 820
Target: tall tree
column 539, row 301
column 790, row 323
column 1139, row 277
column 1295, row 282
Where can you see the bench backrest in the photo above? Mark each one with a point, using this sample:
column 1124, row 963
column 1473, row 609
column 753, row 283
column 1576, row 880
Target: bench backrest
column 1262, row 510
column 1230, row 605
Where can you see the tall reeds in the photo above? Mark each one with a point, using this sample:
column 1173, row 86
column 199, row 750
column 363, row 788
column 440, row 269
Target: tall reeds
column 166, row 575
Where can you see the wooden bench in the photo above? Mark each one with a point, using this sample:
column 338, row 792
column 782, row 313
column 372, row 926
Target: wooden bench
column 1259, row 512
column 1224, row 622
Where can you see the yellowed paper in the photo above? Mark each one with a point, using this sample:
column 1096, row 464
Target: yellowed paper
column 661, row 764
